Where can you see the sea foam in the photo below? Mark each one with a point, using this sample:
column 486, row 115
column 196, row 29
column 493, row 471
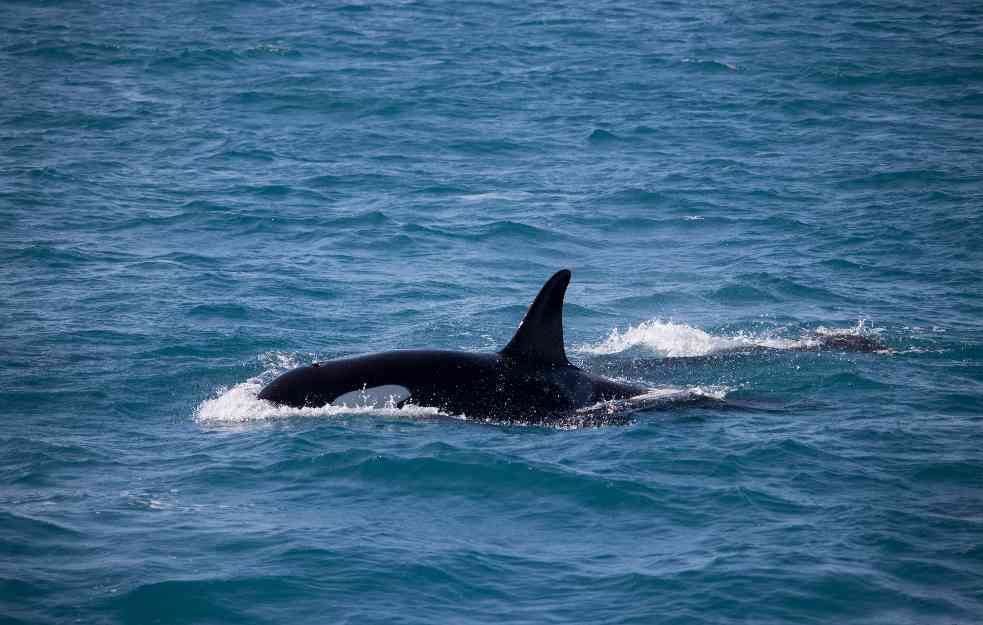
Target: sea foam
column 240, row 403
column 672, row 340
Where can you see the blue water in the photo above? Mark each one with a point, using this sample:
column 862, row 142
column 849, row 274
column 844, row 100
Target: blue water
column 195, row 196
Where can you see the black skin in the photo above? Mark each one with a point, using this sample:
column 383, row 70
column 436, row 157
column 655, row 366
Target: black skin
column 529, row 381
column 847, row 343
column 483, row 386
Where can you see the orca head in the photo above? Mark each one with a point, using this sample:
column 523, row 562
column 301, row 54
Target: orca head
column 539, row 338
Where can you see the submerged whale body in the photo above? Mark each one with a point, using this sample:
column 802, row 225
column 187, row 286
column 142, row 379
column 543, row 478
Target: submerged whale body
column 530, row 380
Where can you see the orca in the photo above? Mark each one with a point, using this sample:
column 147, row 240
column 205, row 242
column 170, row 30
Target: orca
column 845, row 343
column 529, row 381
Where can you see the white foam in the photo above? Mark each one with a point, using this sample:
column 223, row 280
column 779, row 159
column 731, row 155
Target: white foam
column 665, row 394
column 671, row 340
column 652, row 398
column 670, row 394
column 240, row 404
column 860, row 329
column 713, row 391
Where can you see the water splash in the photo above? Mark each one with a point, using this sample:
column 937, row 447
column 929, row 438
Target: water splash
column 672, row 340
column 860, row 329
column 241, row 404
column 655, row 397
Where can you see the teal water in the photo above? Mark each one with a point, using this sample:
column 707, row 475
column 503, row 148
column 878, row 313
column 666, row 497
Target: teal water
column 196, row 196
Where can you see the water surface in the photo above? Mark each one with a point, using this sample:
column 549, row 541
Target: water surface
column 196, row 196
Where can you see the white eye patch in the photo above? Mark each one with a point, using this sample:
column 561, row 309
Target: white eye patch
column 385, row 396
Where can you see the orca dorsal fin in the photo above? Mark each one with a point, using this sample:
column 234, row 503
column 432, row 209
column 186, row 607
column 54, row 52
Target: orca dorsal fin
column 540, row 333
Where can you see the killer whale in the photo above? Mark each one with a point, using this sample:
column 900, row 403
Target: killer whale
column 530, row 380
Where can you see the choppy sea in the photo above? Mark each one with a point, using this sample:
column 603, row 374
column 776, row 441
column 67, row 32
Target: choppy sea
column 196, row 196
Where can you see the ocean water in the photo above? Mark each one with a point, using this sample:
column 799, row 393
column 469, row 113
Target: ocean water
column 195, row 196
